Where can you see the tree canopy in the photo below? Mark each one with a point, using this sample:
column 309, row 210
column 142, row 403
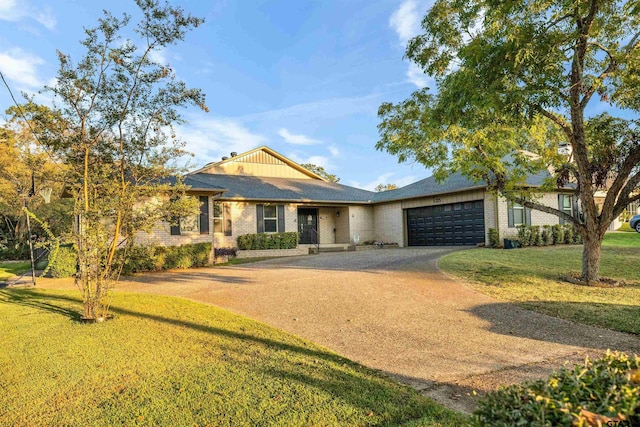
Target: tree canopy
column 385, row 187
column 319, row 170
column 112, row 124
column 515, row 82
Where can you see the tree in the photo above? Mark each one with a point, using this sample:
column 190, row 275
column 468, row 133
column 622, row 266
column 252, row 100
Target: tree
column 319, row 170
column 112, row 124
column 385, row 187
column 515, row 78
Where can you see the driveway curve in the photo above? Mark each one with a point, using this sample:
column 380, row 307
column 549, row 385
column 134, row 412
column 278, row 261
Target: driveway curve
column 393, row 310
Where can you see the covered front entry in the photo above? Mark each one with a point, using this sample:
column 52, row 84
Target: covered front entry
column 446, row 225
column 308, row 226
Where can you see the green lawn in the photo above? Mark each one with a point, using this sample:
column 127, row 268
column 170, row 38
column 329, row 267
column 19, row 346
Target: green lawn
column 167, row 361
column 9, row 269
column 531, row 278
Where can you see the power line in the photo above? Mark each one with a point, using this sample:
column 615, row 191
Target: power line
column 19, row 109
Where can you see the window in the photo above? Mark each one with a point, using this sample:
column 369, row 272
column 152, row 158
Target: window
column 198, row 223
column 270, row 219
column 565, row 204
column 518, row 215
column 218, row 218
column 190, row 224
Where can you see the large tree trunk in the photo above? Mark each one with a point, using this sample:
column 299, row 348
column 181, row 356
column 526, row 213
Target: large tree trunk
column 591, row 256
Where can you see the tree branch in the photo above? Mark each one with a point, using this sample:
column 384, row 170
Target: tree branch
column 557, row 120
column 622, row 185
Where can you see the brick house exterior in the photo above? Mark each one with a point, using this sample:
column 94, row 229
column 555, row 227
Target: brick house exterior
column 263, row 191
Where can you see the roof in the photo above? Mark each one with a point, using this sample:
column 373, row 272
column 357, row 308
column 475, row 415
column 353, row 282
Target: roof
column 454, row 183
column 264, row 148
column 248, row 187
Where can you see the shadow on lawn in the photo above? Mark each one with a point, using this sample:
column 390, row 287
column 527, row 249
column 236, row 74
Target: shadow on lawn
column 512, row 320
column 339, row 377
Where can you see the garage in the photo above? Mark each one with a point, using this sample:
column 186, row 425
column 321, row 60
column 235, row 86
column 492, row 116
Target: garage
column 446, row 225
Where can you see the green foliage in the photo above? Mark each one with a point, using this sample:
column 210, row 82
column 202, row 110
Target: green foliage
column 524, row 235
column 228, row 252
column 112, row 125
column 609, row 386
column 139, row 259
column 287, row 240
column 385, row 187
column 494, row 238
column 65, row 262
column 558, row 234
column 546, row 235
column 512, row 83
column 536, row 237
column 319, row 170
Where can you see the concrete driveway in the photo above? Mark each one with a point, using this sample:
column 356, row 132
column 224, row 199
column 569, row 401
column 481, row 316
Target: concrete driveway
column 394, row 311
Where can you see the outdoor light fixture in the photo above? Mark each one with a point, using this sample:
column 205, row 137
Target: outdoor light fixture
column 338, row 213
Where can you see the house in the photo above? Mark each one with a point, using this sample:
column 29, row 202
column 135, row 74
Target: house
column 262, row 191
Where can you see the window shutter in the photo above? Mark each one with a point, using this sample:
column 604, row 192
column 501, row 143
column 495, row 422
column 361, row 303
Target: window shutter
column 175, row 229
column 527, row 216
column 260, row 218
column 204, row 215
column 280, row 218
column 227, row 219
column 510, row 215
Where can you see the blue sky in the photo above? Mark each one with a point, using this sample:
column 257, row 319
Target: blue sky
column 303, row 77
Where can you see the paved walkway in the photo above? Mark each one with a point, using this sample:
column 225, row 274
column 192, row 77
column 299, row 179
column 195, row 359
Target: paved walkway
column 392, row 310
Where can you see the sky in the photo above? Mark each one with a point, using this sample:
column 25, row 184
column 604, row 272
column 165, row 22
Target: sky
column 303, row 77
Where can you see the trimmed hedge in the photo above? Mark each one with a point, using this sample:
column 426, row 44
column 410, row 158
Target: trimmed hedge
column 558, row 234
column 607, row 389
column 155, row 258
column 288, row 240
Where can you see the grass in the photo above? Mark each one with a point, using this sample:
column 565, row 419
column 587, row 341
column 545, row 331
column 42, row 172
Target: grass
column 626, row 227
column 167, row 361
column 9, row 269
column 530, row 277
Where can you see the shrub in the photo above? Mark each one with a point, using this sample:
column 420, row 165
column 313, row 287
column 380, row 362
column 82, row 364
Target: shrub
column 63, row 263
column 547, row 235
column 536, row 237
column 155, row 258
column 558, row 234
column 494, row 238
column 288, row 240
column 228, row 252
column 524, row 235
column 609, row 386
column 568, row 234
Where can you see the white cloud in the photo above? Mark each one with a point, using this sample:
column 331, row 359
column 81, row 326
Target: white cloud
column 405, row 21
column 13, row 11
column 211, row 138
column 20, row 67
column 316, row 160
column 158, row 56
column 385, row 178
column 296, row 139
column 334, row 151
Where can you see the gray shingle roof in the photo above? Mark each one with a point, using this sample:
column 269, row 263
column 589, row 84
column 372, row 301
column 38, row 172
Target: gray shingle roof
column 311, row 190
column 280, row 189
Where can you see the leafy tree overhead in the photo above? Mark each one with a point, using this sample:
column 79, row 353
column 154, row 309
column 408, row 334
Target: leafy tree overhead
column 521, row 77
column 385, row 187
column 319, row 170
column 112, row 124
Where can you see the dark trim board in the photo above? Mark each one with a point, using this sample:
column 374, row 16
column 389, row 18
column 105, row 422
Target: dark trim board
column 453, row 224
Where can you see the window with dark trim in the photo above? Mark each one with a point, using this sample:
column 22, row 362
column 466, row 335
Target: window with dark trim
column 565, row 204
column 270, row 218
column 198, row 223
column 518, row 215
column 218, row 218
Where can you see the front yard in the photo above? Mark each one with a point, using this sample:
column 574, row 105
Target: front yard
column 10, row 269
column 531, row 278
column 167, row 361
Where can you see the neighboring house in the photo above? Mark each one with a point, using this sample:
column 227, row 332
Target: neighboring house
column 262, row 191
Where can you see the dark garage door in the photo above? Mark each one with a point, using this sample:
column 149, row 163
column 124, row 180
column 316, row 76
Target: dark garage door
column 453, row 224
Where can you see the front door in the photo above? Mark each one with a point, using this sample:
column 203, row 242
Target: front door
column 308, row 226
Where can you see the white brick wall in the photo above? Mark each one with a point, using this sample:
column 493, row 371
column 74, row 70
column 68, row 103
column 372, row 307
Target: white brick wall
column 389, row 223
column 361, row 222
